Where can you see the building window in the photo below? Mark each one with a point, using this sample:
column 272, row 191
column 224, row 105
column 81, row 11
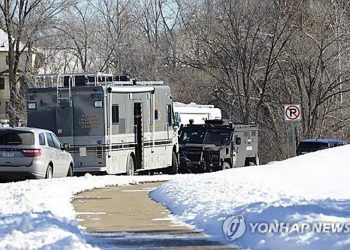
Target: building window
column 2, row 83
column 115, row 114
column 7, row 60
column 156, row 114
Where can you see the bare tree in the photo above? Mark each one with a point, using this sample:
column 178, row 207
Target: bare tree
column 23, row 19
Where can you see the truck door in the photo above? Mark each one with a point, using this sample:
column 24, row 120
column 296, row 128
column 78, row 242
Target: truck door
column 138, row 130
column 238, row 148
column 64, row 121
column 64, row 116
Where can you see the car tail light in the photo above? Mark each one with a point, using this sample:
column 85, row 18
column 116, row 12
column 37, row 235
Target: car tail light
column 31, row 152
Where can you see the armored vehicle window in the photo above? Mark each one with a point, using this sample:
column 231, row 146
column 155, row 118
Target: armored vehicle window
column 217, row 137
column 195, row 137
column 115, row 114
column 42, row 139
column 12, row 137
column 238, row 140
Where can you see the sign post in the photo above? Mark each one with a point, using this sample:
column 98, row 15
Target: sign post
column 292, row 114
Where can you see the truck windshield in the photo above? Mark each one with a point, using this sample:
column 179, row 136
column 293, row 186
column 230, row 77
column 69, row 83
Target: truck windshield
column 217, row 137
column 195, row 137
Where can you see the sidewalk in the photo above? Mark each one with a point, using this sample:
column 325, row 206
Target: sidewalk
column 125, row 217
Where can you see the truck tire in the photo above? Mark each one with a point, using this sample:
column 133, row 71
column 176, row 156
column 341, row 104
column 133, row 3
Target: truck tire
column 130, row 166
column 250, row 161
column 173, row 169
column 225, row 165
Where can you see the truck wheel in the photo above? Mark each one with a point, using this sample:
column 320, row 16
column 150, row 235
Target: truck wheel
column 250, row 162
column 173, row 169
column 225, row 165
column 130, row 166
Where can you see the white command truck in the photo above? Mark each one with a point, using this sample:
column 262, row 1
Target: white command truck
column 196, row 112
column 114, row 125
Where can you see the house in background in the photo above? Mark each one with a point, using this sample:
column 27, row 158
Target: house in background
column 4, row 71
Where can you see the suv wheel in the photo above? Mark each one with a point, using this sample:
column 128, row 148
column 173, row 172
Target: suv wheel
column 49, row 172
column 70, row 171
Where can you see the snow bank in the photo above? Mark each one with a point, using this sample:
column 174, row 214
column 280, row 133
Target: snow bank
column 306, row 189
column 38, row 214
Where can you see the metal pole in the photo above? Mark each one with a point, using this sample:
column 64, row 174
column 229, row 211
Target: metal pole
column 294, row 140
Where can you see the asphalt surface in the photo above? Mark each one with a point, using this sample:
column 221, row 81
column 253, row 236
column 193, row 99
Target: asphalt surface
column 127, row 218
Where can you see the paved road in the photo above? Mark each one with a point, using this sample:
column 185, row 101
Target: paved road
column 125, row 217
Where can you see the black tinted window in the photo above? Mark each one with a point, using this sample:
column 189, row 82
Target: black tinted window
column 312, row 146
column 12, row 137
column 50, row 140
column 217, row 137
column 42, row 139
column 170, row 115
column 115, row 114
column 190, row 136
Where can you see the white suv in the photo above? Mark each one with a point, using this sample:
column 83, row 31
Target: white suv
column 33, row 153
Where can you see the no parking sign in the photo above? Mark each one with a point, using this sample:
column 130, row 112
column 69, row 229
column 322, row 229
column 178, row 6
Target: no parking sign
column 292, row 112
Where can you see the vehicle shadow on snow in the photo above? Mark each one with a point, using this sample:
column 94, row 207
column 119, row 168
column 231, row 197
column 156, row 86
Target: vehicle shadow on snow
column 152, row 240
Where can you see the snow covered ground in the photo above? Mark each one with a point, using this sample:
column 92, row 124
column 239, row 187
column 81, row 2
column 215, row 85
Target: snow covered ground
column 37, row 214
column 311, row 190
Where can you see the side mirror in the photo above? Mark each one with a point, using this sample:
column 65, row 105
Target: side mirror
column 66, row 146
column 238, row 141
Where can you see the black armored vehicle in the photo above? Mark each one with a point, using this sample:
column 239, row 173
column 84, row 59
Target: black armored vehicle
column 217, row 145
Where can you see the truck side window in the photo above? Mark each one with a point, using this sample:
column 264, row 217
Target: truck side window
column 170, row 115
column 115, row 114
column 177, row 119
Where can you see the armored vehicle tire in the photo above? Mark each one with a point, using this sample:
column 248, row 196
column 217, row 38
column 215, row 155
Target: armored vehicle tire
column 251, row 161
column 173, row 169
column 70, row 171
column 49, row 172
column 225, row 165
column 130, row 166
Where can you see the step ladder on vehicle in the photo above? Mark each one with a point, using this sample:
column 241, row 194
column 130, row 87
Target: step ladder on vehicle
column 64, row 93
